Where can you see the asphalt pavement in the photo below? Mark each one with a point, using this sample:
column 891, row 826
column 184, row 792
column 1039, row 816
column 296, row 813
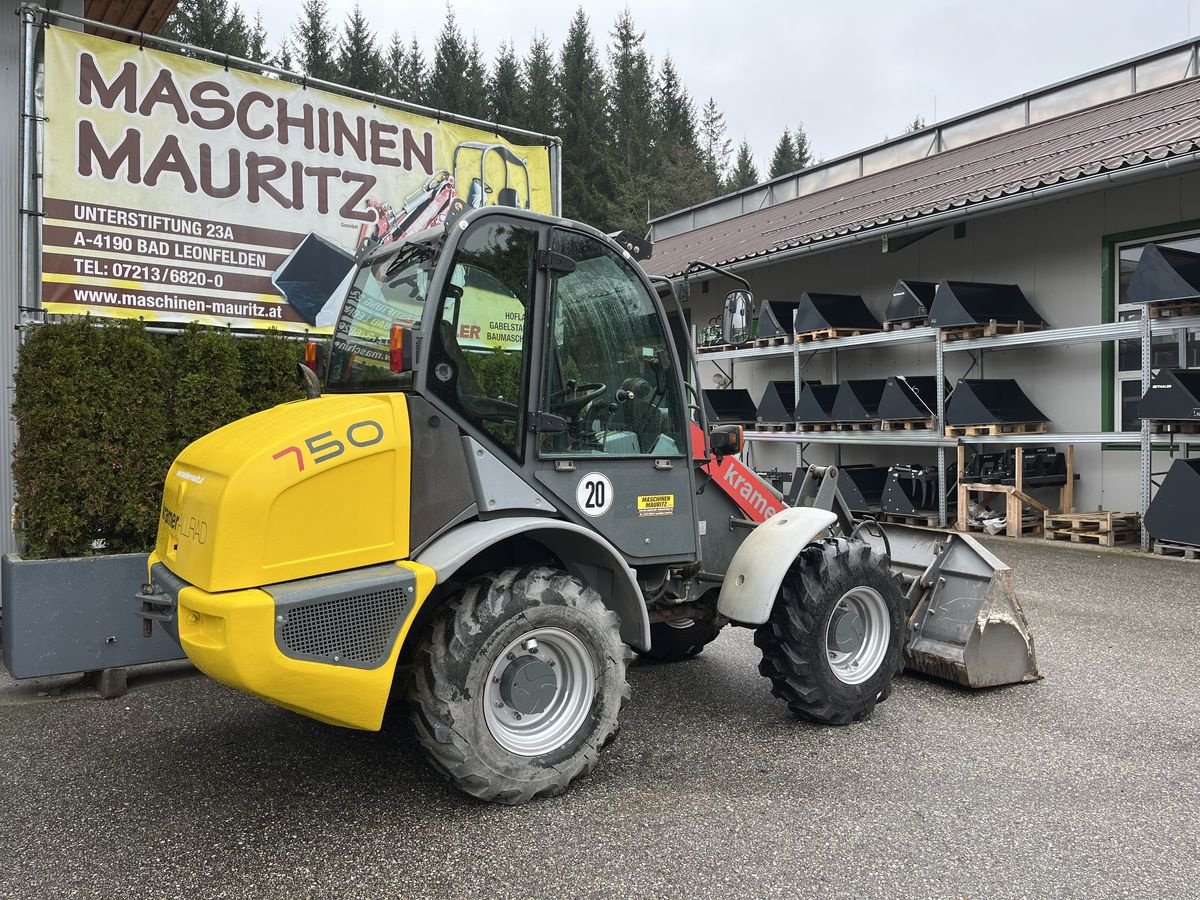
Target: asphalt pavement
column 1086, row 784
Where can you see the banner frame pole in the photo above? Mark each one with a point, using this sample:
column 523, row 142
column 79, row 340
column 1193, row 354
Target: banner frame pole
column 30, row 295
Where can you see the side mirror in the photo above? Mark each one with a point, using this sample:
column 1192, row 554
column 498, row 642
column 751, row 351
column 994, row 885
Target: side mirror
column 400, row 348
column 726, row 440
column 735, row 321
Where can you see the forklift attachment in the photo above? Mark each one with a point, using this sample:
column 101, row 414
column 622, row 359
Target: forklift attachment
column 959, row 303
column 910, row 301
column 979, row 401
column 729, row 406
column 1174, row 396
column 817, row 312
column 912, row 490
column 858, row 400
column 862, row 487
column 815, row 403
column 910, row 398
column 966, row 624
column 1172, row 513
column 775, row 318
column 778, row 403
column 1165, row 273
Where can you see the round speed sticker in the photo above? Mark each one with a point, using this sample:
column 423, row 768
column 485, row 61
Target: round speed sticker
column 594, row 494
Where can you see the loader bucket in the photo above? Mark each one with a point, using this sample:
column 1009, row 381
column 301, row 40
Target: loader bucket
column 965, row 624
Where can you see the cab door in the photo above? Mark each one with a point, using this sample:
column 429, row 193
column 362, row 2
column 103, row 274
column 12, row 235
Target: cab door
column 611, row 425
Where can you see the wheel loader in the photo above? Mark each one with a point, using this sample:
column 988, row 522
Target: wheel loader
column 502, row 484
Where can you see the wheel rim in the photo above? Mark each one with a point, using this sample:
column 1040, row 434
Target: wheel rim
column 856, row 635
column 539, row 691
column 680, row 624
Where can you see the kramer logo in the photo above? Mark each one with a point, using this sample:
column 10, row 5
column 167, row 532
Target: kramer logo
column 188, row 476
column 747, row 491
column 187, row 528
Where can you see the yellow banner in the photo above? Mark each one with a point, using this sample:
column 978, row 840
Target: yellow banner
column 179, row 191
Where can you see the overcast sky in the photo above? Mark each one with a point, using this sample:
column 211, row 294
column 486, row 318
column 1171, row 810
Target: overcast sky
column 853, row 72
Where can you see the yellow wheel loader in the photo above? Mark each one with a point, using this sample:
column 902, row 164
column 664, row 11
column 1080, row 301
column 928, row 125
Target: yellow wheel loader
column 502, row 485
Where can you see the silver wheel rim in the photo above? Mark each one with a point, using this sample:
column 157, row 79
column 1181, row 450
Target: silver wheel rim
column 538, row 733
column 856, row 635
column 681, row 624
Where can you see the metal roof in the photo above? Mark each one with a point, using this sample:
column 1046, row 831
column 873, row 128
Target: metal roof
column 1122, row 134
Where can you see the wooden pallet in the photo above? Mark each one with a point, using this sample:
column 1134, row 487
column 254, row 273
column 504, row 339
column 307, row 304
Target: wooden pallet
column 995, row 428
column 815, row 426
column 1182, row 551
column 776, row 426
column 1180, row 427
column 777, row 341
column 716, row 348
column 991, row 328
column 922, row 521
column 828, row 334
column 907, row 424
column 1173, row 308
column 1100, row 521
column 856, row 426
column 905, row 324
column 1099, row 538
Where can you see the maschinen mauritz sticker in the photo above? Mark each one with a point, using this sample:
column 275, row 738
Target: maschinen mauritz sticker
column 656, row 505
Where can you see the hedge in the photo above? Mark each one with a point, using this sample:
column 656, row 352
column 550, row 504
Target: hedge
column 103, row 407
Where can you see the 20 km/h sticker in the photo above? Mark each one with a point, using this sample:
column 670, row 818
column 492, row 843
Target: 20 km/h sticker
column 656, row 505
column 594, row 494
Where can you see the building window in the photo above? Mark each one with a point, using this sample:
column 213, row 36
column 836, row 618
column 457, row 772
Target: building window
column 1178, row 350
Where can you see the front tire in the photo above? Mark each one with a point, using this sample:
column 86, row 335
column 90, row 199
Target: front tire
column 518, row 684
column 834, row 640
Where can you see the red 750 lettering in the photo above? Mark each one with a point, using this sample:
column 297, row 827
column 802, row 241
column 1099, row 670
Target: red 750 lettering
column 286, row 450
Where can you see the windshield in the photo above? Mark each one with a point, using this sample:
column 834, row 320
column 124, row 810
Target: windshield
column 386, row 291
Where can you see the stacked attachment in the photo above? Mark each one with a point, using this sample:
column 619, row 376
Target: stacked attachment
column 990, row 407
column 909, row 305
column 1168, row 279
column 1174, row 398
column 824, row 316
column 775, row 320
column 909, row 403
column 778, row 405
column 970, row 309
column 857, row 402
column 731, row 406
column 862, row 487
column 1172, row 518
column 911, row 492
column 814, row 406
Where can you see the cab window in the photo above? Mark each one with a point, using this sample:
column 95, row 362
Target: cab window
column 608, row 373
column 477, row 361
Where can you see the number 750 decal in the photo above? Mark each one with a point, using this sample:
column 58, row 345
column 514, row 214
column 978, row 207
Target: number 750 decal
column 324, row 446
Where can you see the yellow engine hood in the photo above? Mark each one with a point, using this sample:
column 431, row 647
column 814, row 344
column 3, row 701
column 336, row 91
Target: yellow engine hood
column 303, row 489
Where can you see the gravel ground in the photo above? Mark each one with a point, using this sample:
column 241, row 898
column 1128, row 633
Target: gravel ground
column 1085, row 784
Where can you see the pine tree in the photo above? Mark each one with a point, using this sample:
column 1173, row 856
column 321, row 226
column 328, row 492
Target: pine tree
column 802, row 148
column 674, row 112
column 256, row 41
column 316, row 42
column 506, row 96
column 631, row 96
column 477, row 84
column 583, row 125
column 211, row 24
column 358, row 56
column 284, row 57
column 715, row 146
column 411, row 83
column 448, row 88
column 539, row 87
column 393, row 66
column 784, row 160
column 745, row 173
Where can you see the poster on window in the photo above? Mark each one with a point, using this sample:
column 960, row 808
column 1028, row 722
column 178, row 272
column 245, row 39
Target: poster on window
column 178, row 191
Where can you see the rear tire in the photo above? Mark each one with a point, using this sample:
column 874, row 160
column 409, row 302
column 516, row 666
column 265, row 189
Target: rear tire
column 834, row 640
column 679, row 640
column 518, row 683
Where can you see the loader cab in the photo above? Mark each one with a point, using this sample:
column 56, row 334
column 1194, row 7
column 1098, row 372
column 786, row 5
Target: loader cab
column 545, row 343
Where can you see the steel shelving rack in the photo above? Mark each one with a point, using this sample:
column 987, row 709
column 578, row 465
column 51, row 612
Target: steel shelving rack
column 1143, row 328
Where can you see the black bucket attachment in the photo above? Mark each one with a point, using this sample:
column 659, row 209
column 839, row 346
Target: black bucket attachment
column 1174, row 513
column 910, row 301
column 1174, row 396
column 912, row 490
column 731, row 406
column 778, row 403
column 858, row 400
column 990, row 401
column 775, row 318
column 815, row 403
column 1164, row 273
column 1043, row 467
column 311, row 275
column 959, row 303
column 910, row 398
column 862, row 487
column 819, row 312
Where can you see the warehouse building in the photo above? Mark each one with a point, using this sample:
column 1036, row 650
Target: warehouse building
column 1056, row 191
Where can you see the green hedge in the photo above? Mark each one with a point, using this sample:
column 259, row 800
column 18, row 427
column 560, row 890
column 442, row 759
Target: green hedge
column 103, row 408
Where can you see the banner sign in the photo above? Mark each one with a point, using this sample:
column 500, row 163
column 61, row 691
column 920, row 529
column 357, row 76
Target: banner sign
column 179, row 191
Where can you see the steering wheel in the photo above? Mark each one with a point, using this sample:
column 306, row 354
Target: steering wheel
column 571, row 400
column 490, row 409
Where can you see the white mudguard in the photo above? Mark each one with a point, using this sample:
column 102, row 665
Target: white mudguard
column 757, row 570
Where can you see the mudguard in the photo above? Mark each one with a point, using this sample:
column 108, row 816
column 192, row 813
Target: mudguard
column 757, row 569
